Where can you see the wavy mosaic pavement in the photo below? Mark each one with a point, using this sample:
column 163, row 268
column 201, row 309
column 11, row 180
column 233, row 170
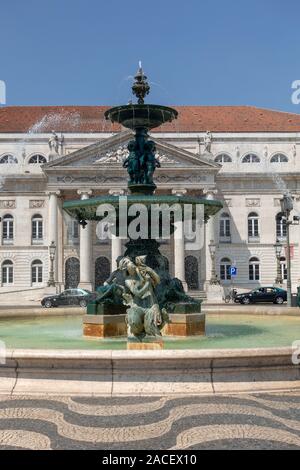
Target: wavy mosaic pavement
column 258, row 421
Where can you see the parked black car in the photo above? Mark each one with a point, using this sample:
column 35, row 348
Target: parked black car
column 262, row 294
column 69, row 297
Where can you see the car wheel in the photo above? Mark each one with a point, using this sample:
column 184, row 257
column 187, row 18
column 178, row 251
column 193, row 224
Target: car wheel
column 48, row 304
column 279, row 300
column 246, row 301
column 82, row 303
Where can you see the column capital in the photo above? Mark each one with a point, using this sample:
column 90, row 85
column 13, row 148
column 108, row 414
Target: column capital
column 56, row 192
column 210, row 192
column 84, row 193
column 179, row 191
column 116, row 192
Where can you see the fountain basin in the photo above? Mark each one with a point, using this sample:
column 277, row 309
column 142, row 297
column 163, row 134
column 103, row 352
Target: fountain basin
column 225, row 331
column 147, row 116
column 87, row 208
column 150, row 373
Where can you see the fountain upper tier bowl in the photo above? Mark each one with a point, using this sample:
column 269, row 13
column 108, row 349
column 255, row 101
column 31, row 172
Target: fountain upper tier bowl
column 148, row 116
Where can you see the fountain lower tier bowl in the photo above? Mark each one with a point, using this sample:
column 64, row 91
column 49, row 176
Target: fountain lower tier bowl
column 148, row 116
column 88, row 209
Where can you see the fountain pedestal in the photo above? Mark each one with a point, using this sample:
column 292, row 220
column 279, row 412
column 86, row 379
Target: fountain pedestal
column 104, row 326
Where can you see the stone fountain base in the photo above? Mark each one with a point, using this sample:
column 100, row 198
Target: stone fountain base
column 114, row 326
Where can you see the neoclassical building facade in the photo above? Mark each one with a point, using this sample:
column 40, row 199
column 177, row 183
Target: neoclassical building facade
column 48, row 155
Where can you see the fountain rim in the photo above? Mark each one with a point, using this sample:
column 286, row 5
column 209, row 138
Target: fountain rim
column 212, row 205
column 140, row 106
column 114, row 114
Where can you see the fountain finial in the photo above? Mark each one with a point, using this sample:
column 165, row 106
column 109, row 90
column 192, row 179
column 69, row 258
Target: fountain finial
column 140, row 87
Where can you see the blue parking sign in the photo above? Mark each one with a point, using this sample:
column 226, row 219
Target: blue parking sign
column 233, row 270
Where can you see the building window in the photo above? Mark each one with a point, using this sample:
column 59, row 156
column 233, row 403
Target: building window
column 223, row 158
column 7, row 272
column 253, row 228
column 8, row 229
column 279, row 158
column 37, row 228
column 283, row 268
column 280, row 226
column 254, row 274
column 40, row 159
column 251, row 158
column 36, row 272
column 224, row 227
column 8, row 159
column 225, row 266
column 75, row 230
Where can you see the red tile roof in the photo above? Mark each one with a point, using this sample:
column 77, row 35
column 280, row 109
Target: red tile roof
column 39, row 119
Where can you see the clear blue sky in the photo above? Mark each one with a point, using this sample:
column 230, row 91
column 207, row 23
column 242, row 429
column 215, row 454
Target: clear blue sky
column 222, row 52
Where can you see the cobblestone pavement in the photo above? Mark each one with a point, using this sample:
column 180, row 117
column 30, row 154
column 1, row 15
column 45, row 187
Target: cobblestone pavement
column 256, row 421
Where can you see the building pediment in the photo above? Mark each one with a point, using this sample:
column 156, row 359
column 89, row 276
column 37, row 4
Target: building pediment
column 111, row 152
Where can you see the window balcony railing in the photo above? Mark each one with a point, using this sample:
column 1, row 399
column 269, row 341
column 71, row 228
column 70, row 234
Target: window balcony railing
column 253, row 239
column 225, row 238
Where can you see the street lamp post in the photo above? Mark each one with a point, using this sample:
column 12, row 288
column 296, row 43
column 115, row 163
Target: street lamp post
column 278, row 248
column 212, row 250
column 286, row 204
column 52, row 250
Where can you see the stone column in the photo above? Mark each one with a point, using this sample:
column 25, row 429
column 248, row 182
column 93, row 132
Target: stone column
column 214, row 290
column 53, row 225
column 116, row 242
column 179, row 258
column 85, row 248
column 209, row 236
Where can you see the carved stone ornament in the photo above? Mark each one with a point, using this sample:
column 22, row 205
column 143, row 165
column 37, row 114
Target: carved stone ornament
column 252, row 202
column 115, row 155
column 36, row 204
column 228, row 202
column 8, row 204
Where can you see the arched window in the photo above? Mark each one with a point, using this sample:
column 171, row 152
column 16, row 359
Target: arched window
column 251, row 158
column 102, row 270
column 224, row 226
column 225, row 266
column 223, row 158
column 7, row 272
column 254, row 269
column 72, row 273
column 40, row 159
column 36, row 272
column 37, row 228
column 279, row 158
column 283, row 268
column 8, row 229
column 253, row 227
column 8, row 159
column 280, row 226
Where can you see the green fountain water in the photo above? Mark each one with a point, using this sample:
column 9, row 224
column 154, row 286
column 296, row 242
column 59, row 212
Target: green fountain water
column 222, row 331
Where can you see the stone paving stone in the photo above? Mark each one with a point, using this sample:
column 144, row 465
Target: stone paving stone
column 252, row 421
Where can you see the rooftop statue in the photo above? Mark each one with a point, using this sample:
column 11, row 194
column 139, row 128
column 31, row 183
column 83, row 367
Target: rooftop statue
column 207, row 142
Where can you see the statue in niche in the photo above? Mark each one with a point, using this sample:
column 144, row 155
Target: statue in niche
column 144, row 316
